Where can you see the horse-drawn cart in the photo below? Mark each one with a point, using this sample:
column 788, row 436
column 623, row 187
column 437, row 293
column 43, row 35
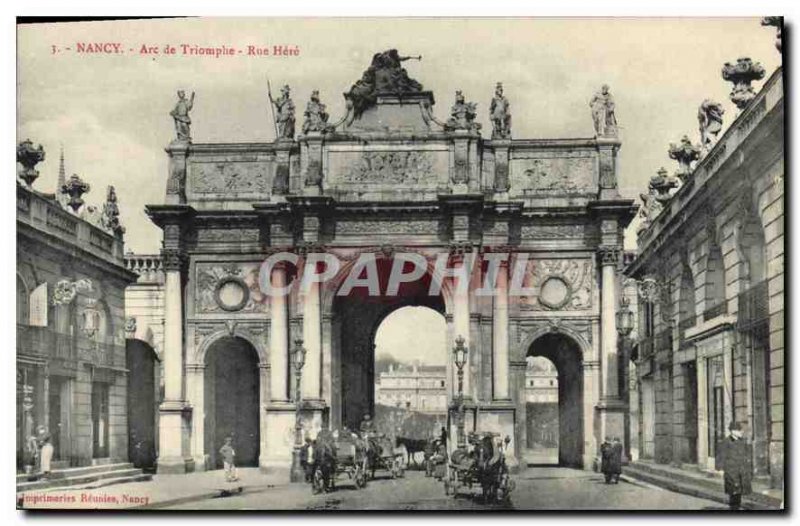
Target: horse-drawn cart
column 481, row 462
column 333, row 457
column 383, row 453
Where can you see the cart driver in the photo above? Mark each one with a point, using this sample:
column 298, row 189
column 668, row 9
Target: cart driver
column 367, row 425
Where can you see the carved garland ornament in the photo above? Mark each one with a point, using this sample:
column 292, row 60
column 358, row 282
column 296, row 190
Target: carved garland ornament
column 228, row 288
column 560, row 284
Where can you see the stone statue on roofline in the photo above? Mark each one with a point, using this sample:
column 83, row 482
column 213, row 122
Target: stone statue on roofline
column 316, row 115
column 284, row 113
column 180, row 114
column 110, row 217
column 462, row 115
column 500, row 114
column 709, row 115
column 384, row 75
column 603, row 113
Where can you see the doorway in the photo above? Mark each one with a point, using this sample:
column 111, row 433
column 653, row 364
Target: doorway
column 232, row 400
column 565, row 355
column 141, row 363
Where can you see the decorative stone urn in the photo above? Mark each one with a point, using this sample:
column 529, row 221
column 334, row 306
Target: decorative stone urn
column 742, row 74
column 75, row 187
column 685, row 153
column 662, row 183
column 29, row 157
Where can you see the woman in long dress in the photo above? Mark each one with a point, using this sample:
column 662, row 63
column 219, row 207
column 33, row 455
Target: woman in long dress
column 46, row 455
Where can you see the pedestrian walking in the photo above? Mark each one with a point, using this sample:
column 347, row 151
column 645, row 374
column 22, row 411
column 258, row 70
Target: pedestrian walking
column 737, row 465
column 227, row 452
column 616, row 459
column 606, row 459
column 305, row 456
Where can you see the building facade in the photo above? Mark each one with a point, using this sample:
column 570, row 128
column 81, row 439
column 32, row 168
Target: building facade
column 416, row 388
column 388, row 178
column 424, row 388
column 710, row 271
column 72, row 378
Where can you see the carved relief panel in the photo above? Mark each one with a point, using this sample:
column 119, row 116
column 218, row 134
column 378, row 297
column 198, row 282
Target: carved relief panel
column 559, row 173
column 230, row 179
column 228, row 287
column 386, row 169
column 559, row 284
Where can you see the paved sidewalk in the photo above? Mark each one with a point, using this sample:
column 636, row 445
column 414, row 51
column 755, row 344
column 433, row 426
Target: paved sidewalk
column 703, row 484
column 162, row 491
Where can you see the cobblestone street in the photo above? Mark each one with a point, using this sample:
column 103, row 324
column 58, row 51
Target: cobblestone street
column 537, row 489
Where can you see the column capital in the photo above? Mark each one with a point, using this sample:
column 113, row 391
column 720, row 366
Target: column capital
column 173, row 259
column 609, row 255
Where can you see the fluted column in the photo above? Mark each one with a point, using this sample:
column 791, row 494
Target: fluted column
column 279, row 338
column 171, row 412
column 312, row 340
column 173, row 328
column 609, row 256
column 500, row 335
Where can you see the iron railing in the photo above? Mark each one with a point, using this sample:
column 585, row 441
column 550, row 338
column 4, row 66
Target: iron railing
column 44, row 342
column 717, row 310
column 753, row 306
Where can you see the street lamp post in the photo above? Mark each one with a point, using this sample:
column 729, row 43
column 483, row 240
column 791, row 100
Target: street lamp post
column 460, row 358
column 624, row 328
column 299, row 353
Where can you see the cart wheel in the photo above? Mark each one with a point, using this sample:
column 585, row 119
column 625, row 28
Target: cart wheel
column 317, row 483
column 361, row 480
column 456, row 484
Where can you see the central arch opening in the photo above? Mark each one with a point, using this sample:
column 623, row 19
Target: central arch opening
column 410, row 380
column 564, row 354
column 232, row 400
column 372, row 334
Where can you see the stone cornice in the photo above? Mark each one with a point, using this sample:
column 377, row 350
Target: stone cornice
column 710, row 169
column 169, row 214
column 84, row 254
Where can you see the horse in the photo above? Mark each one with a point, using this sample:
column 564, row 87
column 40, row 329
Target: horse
column 488, row 466
column 413, row 446
column 324, row 463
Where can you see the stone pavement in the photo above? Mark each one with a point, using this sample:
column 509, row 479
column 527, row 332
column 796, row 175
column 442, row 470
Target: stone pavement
column 536, row 489
column 162, row 490
column 540, row 488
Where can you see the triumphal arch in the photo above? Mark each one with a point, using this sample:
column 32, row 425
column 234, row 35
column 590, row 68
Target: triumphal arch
column 387, row 180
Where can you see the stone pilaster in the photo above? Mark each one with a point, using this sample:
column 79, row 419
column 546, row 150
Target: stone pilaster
column 607, row 179
column 173, row 412
column 311, row 163
column 611, row 406
column 500, row 340
column 502, row 182
column 279, row 338
column 280, row 184
column 176, row 182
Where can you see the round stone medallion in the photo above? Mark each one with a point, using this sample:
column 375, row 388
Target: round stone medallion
column 554, row 293
column 232, row 294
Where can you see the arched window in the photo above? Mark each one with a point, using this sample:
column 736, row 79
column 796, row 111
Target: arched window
column 752, row 250
column 22, row 302
column 686, row 299
column 715, row 283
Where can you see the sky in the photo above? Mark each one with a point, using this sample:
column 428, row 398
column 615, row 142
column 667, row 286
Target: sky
column 111, row 112
column 413, row 333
